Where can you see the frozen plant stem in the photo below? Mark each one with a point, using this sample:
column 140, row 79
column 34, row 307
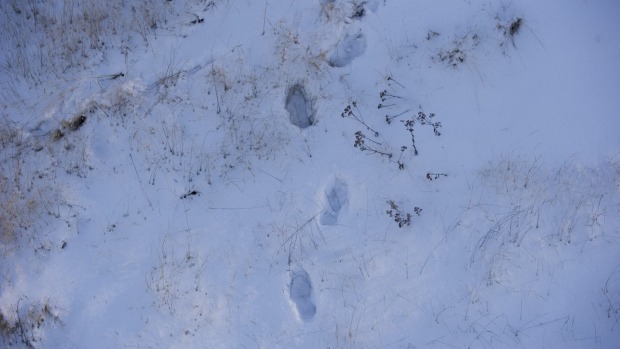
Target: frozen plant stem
column 427, row 120
column 360, row 143
column 409, row 125
column 433, row 176
column 390, row 118
column 357, row 116
column 389, row 78
column 401, row 165
column 385, row 95
column 423, row 119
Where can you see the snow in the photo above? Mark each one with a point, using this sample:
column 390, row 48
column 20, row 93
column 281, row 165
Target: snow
column 218, row 193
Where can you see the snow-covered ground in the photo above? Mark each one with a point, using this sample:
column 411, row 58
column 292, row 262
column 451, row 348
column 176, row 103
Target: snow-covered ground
column 243, row 174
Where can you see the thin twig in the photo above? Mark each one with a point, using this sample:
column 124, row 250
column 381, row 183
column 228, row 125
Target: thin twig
column 140, row 181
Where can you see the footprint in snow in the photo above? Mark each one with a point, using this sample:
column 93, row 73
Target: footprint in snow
column 300, row 291
column 348, row 48
column 336, row 196
column 299, row 107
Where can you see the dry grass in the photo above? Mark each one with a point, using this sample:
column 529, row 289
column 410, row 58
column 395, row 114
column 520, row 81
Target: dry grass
column 46, row 39
column 22, row 325
column 17, row 206
column 27, row 192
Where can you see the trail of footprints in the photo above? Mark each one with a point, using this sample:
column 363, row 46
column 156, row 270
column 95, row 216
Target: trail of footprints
column 301, row 113
column 300, row 287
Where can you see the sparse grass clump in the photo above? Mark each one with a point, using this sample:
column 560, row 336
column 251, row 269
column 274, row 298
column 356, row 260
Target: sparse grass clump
column 458, row 52
column 16, row 212
column 18, row 204
column 509, row 29
column 26, row 191
column 7, row 327
column 514, row 26
column 45, row 39
column 27, row 320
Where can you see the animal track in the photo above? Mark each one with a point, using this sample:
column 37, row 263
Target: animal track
column 300, row 291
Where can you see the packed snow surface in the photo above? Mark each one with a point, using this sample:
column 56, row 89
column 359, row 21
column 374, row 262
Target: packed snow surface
column 310, row 174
